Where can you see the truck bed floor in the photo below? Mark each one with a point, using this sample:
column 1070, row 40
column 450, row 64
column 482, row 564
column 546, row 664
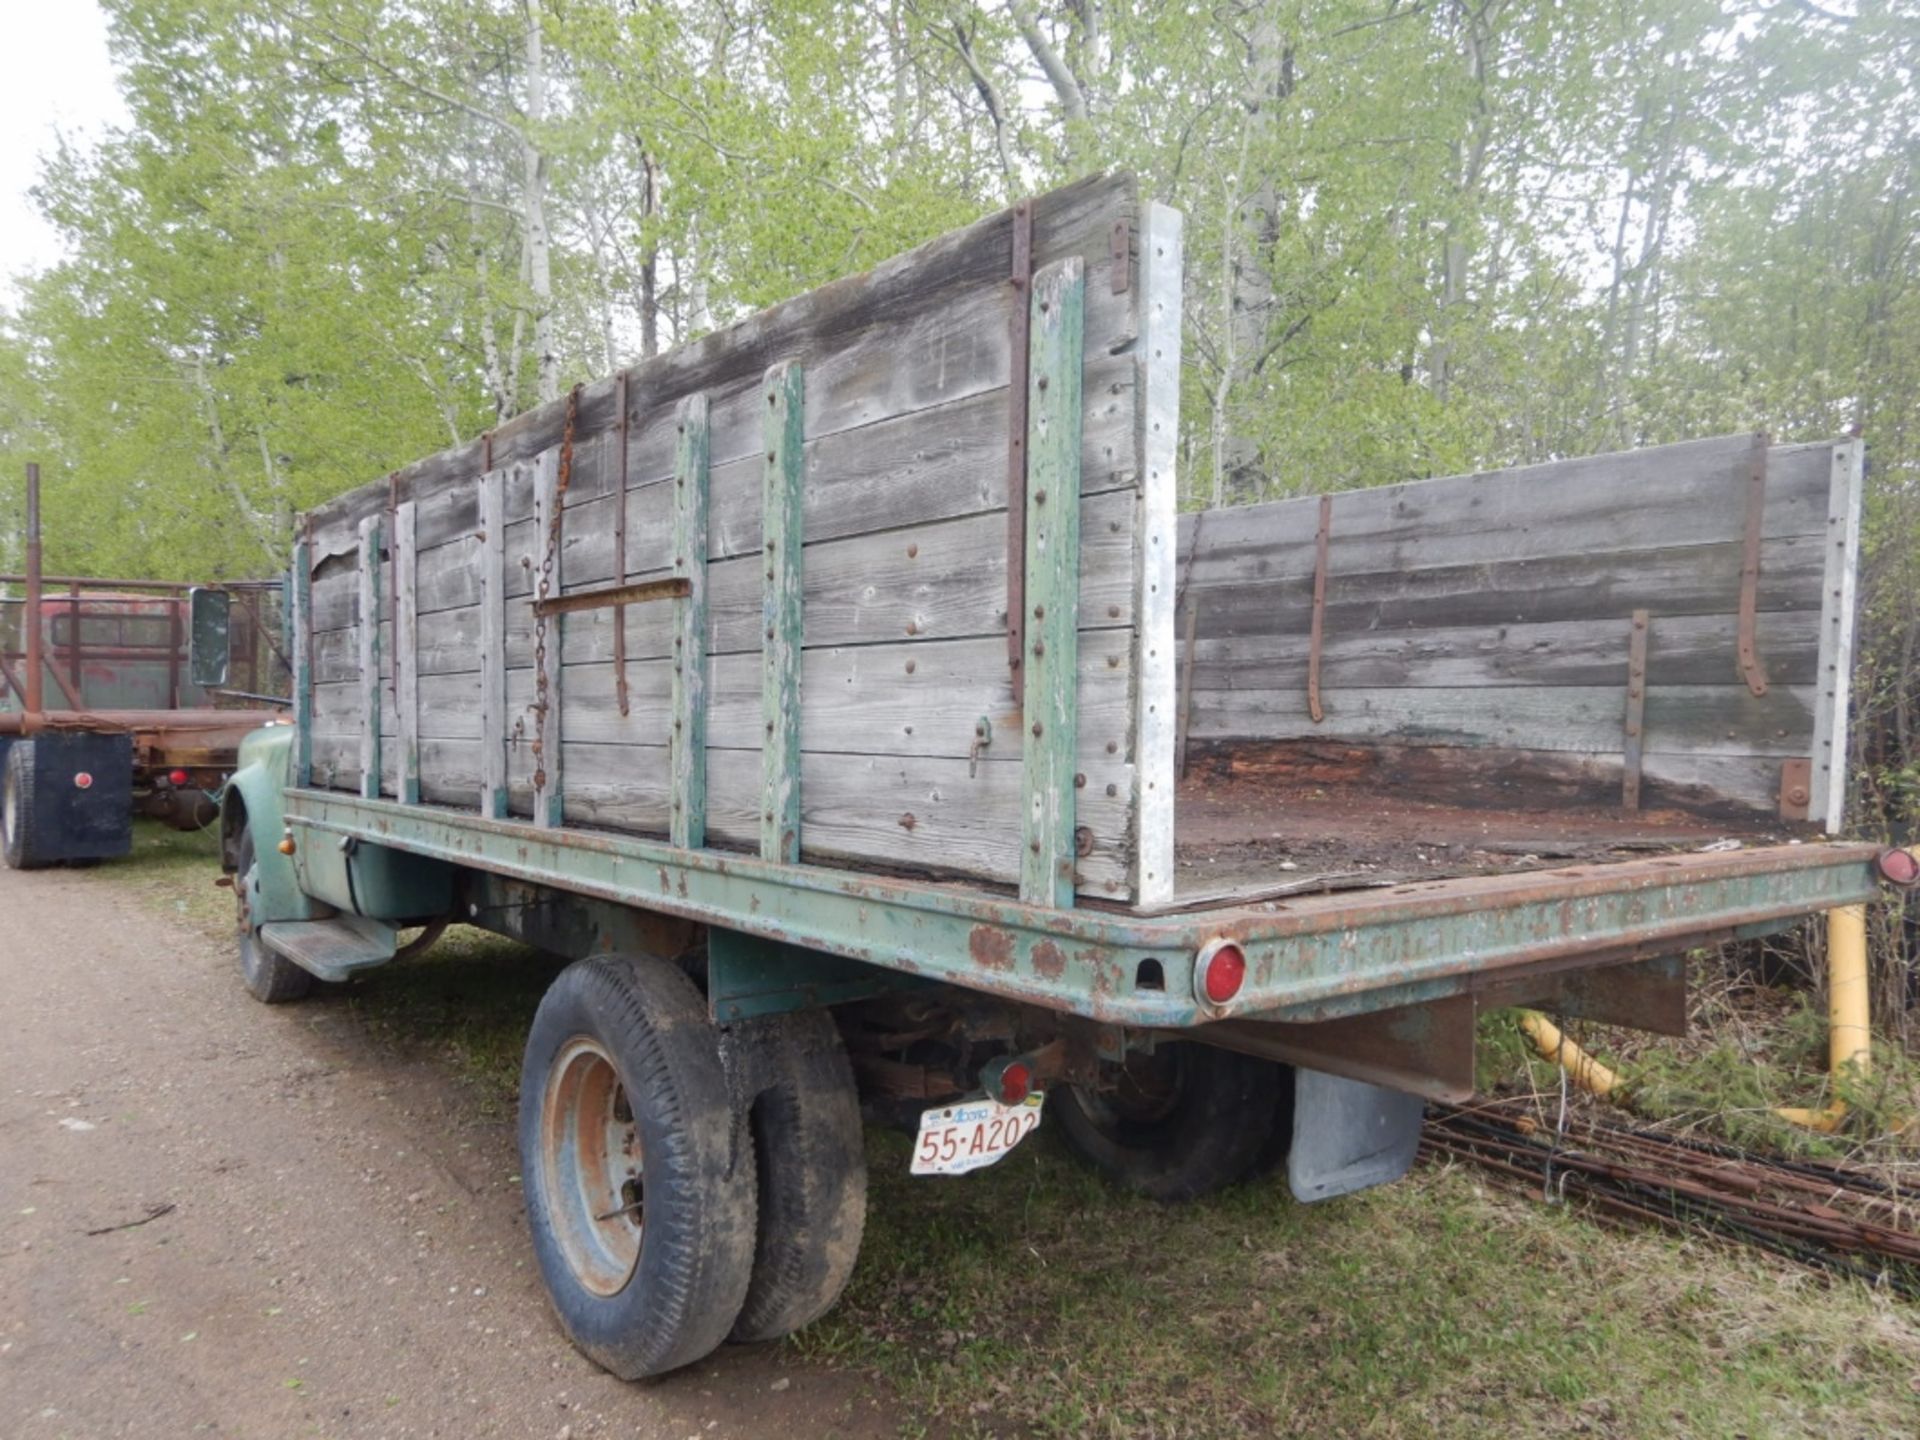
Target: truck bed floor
column 1250, row 835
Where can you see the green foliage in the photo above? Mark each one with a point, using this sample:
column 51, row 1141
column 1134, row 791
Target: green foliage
column 1422, row 237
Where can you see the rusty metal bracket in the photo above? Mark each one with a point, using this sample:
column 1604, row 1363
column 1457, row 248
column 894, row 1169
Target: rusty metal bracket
column 1120, row 248
column 620, row 537
column 1796, row 789
column 638, row 592
column 1183, row 725
column 393, row 596
column 1751, row 669
column 1018, row 326
column 1318, row 632
column 1636, row 710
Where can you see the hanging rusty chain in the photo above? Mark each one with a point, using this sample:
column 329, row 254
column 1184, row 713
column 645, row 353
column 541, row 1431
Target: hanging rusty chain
column 543, row 587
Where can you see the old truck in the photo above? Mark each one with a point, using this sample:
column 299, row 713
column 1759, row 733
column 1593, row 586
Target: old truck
column 824, row 689
column 139, row 732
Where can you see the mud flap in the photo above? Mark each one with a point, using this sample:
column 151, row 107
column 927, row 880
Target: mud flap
column 1348, row 1136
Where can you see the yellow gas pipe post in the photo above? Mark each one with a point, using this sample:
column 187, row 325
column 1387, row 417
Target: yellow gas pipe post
column 1849, row 1036
column 1582, row 1069
column 1849, row 1027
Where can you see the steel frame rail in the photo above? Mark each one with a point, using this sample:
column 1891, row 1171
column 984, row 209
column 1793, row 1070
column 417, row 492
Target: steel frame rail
column 1309, row 958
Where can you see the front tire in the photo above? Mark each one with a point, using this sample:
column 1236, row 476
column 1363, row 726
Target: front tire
column 269, row 976
column 639, row 1175
column 1180, row 1123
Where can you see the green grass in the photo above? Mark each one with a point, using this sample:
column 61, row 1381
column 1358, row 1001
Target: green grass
column 1033, row 1298
column 1750, row 1049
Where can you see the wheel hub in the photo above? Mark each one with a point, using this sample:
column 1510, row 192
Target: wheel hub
column 594, row 1173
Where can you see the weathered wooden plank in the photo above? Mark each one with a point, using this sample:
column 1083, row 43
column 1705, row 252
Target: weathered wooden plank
column 918, row 815
column 1838, row 610
column 1665, row 496
column 944, row 580
column 1157, row 384
column 369, row 625
column 492, row 652
column 300, row 640
column 1051, row 592
column 782, row 613
column 1691, row 650
column 1704, row 719
column 549, row 643
column 1678, row 580
column 406, row 674
column 865, row 700
column 911, row 354
column 932, row 464
column 1502, row 780
column 687, row 740
column 881, row 477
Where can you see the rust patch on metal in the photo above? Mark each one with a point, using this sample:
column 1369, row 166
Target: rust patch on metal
column 1049, row 960
column 1796, row 788
column 991, row 948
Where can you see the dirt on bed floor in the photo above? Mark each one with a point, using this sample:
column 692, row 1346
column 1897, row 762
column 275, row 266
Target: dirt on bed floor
column 1253, row 832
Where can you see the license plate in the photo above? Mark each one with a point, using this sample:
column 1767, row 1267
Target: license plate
column 973, row 1133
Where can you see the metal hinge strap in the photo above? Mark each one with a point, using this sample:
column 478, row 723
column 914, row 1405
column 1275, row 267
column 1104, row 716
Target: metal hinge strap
column 1317, row 634
column 1751, row 669
column 1636, row 723
column 620, row 538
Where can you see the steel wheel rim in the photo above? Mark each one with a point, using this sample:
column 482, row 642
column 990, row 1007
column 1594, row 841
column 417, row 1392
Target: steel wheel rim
column 592, row 1171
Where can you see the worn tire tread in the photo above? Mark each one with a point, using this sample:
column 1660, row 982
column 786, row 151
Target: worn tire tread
column 21, row 847
column 811, row 1154
column 270, row 978
column 697, row 1249
column 1214, row 1140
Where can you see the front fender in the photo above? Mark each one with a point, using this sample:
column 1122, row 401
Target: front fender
column 252, row 801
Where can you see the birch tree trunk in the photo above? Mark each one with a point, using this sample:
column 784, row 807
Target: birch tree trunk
column 539, row 246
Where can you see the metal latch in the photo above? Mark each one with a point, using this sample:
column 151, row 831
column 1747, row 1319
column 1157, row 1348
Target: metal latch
column 982, row 737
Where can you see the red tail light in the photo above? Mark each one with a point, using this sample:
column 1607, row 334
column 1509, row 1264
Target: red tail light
column 1219, row 972
column 1899, row 867
column 179, row 777
column 1016, row 1083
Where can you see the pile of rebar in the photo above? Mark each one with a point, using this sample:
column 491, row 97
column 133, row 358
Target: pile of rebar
column 1832, row 1217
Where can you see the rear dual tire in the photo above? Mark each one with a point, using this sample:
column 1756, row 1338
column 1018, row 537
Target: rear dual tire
column 677, row 1199
column 1183, row 1122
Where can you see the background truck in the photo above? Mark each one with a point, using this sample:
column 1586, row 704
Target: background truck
column 137, row 731
column 824, row 687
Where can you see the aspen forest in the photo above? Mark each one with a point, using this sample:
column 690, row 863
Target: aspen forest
column 1424, row 236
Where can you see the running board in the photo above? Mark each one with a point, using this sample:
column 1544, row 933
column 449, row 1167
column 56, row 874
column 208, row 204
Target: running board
column 332, row 949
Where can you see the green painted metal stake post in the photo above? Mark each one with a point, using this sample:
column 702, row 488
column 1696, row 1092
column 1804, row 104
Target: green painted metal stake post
column 1052, row 582
column 300, row 597
column 687, row 746
column 783, row 611
column 370, row 542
